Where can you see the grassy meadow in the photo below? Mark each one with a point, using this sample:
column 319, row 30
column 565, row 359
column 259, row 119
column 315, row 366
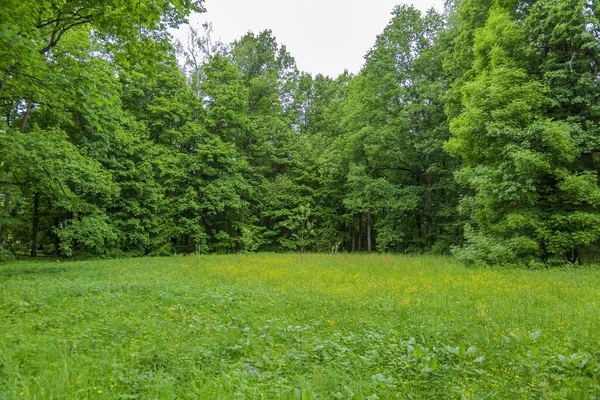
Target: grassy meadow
column 273, row 326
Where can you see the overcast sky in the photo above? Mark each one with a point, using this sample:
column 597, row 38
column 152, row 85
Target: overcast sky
column 324, row 36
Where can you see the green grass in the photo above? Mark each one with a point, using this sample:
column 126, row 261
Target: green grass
column 281, row 326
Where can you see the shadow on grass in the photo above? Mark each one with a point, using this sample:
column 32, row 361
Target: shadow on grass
column 23, row 271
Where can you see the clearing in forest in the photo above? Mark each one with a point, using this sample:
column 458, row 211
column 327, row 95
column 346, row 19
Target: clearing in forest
column 291, row 326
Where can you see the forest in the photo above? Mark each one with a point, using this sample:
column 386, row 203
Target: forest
column 474, row 131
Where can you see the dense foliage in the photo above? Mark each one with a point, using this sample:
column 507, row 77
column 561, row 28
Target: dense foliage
column 476, row 131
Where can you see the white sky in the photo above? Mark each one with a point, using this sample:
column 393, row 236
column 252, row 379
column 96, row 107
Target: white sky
column 324, row 36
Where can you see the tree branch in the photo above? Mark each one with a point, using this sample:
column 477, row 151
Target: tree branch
column 57, row 34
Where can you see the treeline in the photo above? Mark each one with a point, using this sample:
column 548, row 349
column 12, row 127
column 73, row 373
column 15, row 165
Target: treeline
column 475, row 132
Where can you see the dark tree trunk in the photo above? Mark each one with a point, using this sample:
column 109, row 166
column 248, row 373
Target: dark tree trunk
column 57, row 242
column 428, row 218
column 36, row 224
column 543, row 252
column 353, row 240
column 369, row 244
column 429, row 228
column 4, row 228
column 574, row 255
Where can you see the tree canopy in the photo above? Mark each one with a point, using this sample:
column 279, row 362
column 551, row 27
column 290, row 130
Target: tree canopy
column 474, row 132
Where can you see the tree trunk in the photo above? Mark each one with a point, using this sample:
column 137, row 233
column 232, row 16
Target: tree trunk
column 369, row 244
column 57, row 240
column 36, row 224
column 353, row 240
column 359, row 233
column 543, row 252
column 4, row 228
column 25, row 118
column 429, row 229
column 574, row 255
column 428, row 218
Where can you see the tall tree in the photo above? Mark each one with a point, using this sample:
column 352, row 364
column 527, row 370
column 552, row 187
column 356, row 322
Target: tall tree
column 396, row 126
column 529, row 201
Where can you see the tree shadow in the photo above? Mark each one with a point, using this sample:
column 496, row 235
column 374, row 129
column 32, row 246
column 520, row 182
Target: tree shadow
column 11, row 272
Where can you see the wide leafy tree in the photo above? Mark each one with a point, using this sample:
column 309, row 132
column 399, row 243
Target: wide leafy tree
column 58, row 88
column 531, row 198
